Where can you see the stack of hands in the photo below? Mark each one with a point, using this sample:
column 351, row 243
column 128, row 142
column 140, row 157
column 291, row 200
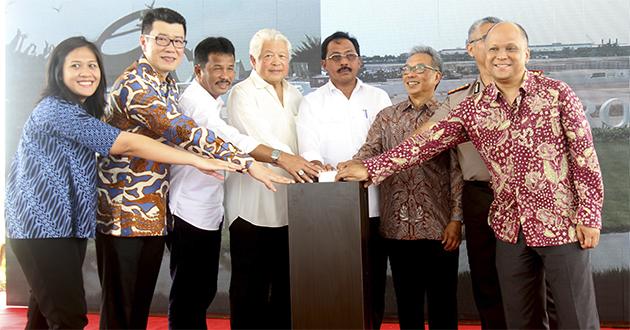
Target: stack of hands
column 304, row 171
column 299, row 168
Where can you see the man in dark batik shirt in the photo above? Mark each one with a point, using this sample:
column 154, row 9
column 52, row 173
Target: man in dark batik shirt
column 420, row 207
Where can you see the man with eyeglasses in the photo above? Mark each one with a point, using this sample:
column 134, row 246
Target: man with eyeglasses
column 332, row 124
column 420, row 208
column 131, row 215
column 532, row 132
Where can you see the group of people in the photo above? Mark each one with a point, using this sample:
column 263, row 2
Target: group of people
column 156, row 181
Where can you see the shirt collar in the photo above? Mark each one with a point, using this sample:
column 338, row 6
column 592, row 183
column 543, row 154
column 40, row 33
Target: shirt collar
column 478, row 86
column 528, row 86
column 203, row 93
column 260, row 83
column 332, row 88
column 430, row 106
column 529, row 83
column 146, row 70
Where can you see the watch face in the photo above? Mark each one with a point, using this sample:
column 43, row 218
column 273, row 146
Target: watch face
column 275, row 154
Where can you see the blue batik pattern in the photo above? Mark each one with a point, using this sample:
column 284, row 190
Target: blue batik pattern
column 51, row 188
column 132, row 191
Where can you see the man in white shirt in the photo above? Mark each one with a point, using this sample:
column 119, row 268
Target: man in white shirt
column 196, row 199
column 332, row 125
column 264, row 107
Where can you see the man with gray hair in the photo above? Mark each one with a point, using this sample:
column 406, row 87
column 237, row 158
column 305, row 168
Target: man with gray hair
column 264, row 107
column 532, row 132
column 420, row 208
column 196, row 200
column 477, row 194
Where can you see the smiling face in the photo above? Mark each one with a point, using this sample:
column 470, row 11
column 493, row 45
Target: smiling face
column 163, row 59
column 81, row 73
column 217, row 75
column 273, row 63
column 345, row 70
column 420, row 85
column 477, row 48
column 506, row 53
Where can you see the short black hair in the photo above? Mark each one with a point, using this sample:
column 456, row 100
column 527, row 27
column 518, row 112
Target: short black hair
column 210, row 45
column 161, row 14
column 339, row 35
column 95, row 103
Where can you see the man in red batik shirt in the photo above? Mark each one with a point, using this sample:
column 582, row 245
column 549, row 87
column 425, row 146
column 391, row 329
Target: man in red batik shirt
column 534, row 138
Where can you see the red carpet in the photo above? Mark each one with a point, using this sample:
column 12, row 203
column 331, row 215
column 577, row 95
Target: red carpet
column 15, row 318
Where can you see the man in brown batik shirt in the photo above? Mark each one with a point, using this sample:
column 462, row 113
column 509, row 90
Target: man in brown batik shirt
column 421, row 207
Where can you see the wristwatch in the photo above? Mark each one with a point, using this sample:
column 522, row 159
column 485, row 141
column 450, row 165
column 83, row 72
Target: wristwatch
column 275, row 155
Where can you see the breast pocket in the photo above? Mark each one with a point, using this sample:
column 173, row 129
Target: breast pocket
column 361, row 123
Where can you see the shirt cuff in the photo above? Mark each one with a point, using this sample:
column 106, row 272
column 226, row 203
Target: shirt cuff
column 589, row 218
column 248, row 144
column 243, row 159
column 375, row 167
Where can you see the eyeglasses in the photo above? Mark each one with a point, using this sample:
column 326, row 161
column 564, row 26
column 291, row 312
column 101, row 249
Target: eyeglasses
column 418, row 68
column 478, row 39
column 165, row 41
column 351, row 57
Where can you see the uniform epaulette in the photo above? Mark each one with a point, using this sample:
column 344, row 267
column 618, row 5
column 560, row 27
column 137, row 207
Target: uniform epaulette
column 460, row 88
column 537, row 72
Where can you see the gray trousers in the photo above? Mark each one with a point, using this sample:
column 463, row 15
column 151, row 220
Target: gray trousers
column 567, row 270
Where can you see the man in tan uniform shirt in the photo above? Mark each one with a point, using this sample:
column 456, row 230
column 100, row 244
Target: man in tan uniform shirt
column 477, row 194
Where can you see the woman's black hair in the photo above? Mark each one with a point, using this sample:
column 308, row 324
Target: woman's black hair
column 94, row 104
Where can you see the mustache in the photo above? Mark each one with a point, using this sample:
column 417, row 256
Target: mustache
column 223, row 81
column 345, row 68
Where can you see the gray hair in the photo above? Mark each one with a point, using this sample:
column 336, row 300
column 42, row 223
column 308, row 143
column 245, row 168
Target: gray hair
column 436, row 59
column 478, row 23
column 259, row 38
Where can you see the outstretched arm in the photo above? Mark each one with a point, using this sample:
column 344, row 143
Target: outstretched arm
column 140, row 102
column 413, row 151
column 136, row 145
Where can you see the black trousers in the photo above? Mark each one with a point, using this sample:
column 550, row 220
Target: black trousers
column 481, row 246
column 194, row 269
column 378, row 272
column 419, row 268
column 524, row 274
column 52, row 267
column 128, row 268
column 259, row 287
